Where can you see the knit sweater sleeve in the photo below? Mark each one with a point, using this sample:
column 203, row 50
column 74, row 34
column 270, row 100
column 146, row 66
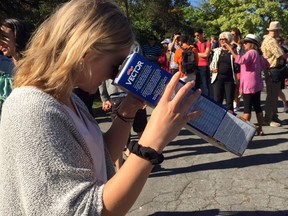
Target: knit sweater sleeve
column 45, row 165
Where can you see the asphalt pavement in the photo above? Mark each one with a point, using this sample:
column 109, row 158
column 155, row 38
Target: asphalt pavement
column 199, row 179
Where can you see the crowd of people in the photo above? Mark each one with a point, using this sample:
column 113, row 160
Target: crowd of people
column 233, row 68
column 54, row 158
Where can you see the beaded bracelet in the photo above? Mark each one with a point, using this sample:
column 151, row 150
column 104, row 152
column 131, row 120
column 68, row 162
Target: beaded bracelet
column 129, row 120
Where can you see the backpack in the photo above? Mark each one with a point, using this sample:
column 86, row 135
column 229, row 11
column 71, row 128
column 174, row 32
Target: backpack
column 189, row 61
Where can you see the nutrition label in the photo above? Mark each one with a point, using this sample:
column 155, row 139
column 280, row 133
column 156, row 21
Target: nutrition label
column 211, row 116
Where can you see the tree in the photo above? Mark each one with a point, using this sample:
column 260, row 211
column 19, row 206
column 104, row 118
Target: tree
column 159, row 17
column 32, row 12
column 250, row 16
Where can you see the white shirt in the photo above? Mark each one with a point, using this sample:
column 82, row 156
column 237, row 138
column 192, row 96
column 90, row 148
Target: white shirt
column 94, row 139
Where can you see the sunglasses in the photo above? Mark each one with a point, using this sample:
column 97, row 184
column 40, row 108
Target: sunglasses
column 223, row 39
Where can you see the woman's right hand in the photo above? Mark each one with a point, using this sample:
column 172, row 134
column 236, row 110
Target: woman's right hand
column 170, row 115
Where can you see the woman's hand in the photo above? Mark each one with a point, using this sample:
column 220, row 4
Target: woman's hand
column 130, row 105
column 214, row 70
column 106, row 105
column 170, row 115
column 227, row 46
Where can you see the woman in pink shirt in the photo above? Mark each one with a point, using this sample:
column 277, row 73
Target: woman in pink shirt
column 251, row 83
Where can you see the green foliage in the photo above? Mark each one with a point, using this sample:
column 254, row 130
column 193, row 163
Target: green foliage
column 32, row 12
column 250, row 16
column 165, row 17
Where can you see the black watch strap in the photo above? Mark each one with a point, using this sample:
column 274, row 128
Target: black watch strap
column 146, row 153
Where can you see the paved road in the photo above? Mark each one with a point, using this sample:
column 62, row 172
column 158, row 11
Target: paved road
column 198, row 179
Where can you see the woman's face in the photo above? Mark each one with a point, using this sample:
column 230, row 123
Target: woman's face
column 8, row 43
column 223, row 41
column 247, row 45
column 99, row 69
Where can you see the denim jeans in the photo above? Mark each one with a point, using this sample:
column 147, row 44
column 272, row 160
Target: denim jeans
column 203, row 79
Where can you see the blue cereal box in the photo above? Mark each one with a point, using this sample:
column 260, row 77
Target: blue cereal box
column 216, row 125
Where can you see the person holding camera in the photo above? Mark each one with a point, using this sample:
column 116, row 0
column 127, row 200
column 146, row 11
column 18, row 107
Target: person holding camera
column 172, row 47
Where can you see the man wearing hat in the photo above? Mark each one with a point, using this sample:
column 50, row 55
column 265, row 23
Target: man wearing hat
column 276, row 58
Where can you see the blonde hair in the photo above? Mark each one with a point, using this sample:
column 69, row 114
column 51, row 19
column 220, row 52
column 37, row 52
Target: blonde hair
column 226, row 35
column 53, row 59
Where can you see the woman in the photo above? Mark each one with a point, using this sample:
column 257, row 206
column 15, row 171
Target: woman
column 237, row 44
column 165, row 56
column 251, row 83
column 223, row 72
column 54, row 160
column 15, row 37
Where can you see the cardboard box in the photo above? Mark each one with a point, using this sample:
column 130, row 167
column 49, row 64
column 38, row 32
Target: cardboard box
column 216, row 125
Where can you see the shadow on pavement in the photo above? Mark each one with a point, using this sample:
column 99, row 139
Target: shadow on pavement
column 265, row 143
column 237, row 162
column 216, row 212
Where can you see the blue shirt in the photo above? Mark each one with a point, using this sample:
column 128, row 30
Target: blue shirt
column 154, row 51
column 6, row 65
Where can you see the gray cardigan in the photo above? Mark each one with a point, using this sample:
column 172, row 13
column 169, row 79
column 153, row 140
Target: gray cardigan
column 45, row 164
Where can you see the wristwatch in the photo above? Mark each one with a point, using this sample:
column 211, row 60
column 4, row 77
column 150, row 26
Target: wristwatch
column 146, row 153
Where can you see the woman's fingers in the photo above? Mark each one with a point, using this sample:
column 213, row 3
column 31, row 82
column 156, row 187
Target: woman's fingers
column 191, row 99
column 184, row 93
column 171, row 86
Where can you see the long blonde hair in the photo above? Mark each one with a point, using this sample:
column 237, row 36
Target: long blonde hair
column 53, row 57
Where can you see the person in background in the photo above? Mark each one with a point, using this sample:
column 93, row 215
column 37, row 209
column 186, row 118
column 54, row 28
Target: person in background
column 54, row 159
column 184, row 44
column 15, row 36
column 240, row 50
column 165, row 56
column 276, row 58
column 172, row 47
column 214, row 42
column 203, row 73
column 282, row 96
column 223, row 72
column 251, row 84
column 13, row 40
column 151, row 50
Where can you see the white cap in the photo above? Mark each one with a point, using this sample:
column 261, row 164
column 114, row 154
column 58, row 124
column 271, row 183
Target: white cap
column 167, row 40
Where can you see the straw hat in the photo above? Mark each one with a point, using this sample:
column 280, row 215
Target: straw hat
column 251, row 38
column 274, row 25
